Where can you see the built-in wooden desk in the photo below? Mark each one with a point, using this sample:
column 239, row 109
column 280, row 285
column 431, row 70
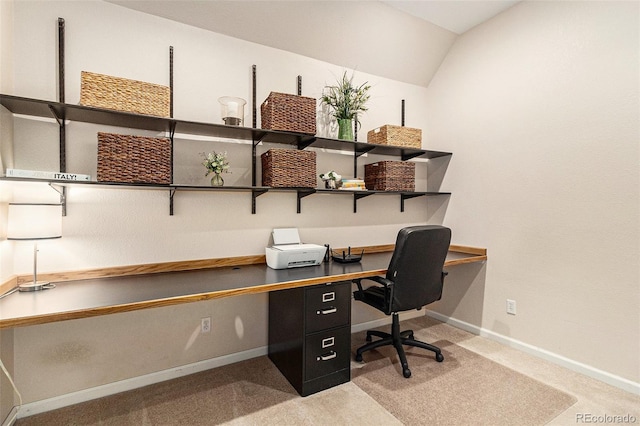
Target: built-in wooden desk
column 169, row 285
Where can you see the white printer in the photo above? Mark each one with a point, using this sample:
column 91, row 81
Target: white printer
column 288, row 252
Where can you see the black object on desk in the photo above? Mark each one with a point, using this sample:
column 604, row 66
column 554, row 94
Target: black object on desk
column 347, row 257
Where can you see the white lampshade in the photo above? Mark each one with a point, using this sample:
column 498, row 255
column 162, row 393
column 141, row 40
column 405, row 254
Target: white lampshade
column 30, row 221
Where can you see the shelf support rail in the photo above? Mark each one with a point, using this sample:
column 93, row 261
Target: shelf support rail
column 171, row 81
column 62, row 132
column 357, row 152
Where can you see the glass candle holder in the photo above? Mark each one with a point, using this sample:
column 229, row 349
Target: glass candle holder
column 232, row 110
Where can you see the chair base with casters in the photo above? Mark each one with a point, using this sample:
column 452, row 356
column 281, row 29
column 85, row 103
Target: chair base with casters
column 397, row 339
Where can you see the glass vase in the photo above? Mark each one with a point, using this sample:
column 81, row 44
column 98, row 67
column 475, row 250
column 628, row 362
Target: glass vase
column 345, row 129
column 217, row 180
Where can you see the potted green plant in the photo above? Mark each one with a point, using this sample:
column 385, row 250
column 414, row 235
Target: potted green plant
column 346, row 100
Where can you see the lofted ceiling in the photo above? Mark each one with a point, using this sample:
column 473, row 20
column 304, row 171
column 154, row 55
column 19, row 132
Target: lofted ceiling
column 454, row 15
column 401, row 40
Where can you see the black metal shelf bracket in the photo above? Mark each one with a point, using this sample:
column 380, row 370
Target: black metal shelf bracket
column 356, row 197
column 304, row 142
column 301, row 194
column 63, row 196
column 255, row 193
column 409, row 155
column 406, row 197
column 172, row 192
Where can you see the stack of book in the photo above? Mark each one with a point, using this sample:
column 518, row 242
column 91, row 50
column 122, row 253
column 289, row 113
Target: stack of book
column 353, row 185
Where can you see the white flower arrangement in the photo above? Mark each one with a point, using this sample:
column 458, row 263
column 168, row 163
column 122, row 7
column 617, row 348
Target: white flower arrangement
column 216, row 162
column 331, row 180
column 331, row 176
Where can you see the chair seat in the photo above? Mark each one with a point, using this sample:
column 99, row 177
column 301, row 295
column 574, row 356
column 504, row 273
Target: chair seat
column 375, row 296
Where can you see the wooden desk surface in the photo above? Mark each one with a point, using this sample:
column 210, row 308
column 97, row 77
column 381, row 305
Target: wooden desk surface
column 102, row 296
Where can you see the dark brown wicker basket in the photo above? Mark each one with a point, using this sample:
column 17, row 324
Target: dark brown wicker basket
column 396, row 135
column 133, row 159
column 289, row 168
column 104, row 91
column 289, row 113
column 390, row 176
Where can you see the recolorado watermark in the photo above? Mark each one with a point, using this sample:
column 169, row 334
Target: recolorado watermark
column 606, row 418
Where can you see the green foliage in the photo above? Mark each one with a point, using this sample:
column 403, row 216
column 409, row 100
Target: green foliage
column 345, row 99
column 216, row 162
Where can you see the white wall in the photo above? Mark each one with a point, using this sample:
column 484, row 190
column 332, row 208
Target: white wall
column 540, row 106
column 106, row 227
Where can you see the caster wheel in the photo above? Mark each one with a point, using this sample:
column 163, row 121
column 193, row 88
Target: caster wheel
column 406, row 373
column 439, row 357
column 358, row 358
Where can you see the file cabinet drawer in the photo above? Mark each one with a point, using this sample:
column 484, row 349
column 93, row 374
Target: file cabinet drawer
column 327, row 352
column 327, row 306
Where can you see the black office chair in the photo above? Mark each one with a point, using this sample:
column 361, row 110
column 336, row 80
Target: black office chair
column 414, row 279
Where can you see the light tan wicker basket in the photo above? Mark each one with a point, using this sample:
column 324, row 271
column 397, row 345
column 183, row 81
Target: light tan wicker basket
column 390, row 176
column 133, row 159
column 289, row 168
column 289, row 113
column 104, row 91
column 396, row 135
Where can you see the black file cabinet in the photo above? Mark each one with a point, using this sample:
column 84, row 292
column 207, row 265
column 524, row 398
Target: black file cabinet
column 310, row 335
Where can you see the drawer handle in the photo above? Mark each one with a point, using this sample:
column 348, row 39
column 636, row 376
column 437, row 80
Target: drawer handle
column 327, row 311
column 328, row 342
column 329, row 297
column 327, row 357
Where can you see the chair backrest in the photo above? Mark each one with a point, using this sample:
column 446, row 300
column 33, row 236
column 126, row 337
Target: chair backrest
column 416, row 267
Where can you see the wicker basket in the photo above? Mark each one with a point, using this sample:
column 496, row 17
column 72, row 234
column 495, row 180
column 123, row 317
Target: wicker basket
column 390, row 176
column 103, row 91
column 133, row 159
column 289, row 113
column 396, row 135
column 289, row 168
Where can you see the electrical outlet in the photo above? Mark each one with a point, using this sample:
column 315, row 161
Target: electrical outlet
column 205, row 325
column 511, row 307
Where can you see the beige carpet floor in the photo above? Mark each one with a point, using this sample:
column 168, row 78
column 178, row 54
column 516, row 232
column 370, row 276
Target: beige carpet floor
column 476, row 384
column 465, row 389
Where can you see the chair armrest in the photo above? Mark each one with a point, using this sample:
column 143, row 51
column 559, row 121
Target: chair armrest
column 380, row 280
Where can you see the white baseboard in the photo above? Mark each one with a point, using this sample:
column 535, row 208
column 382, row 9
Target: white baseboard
column 135, row 382
column 11, row 418
column 603, row 376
